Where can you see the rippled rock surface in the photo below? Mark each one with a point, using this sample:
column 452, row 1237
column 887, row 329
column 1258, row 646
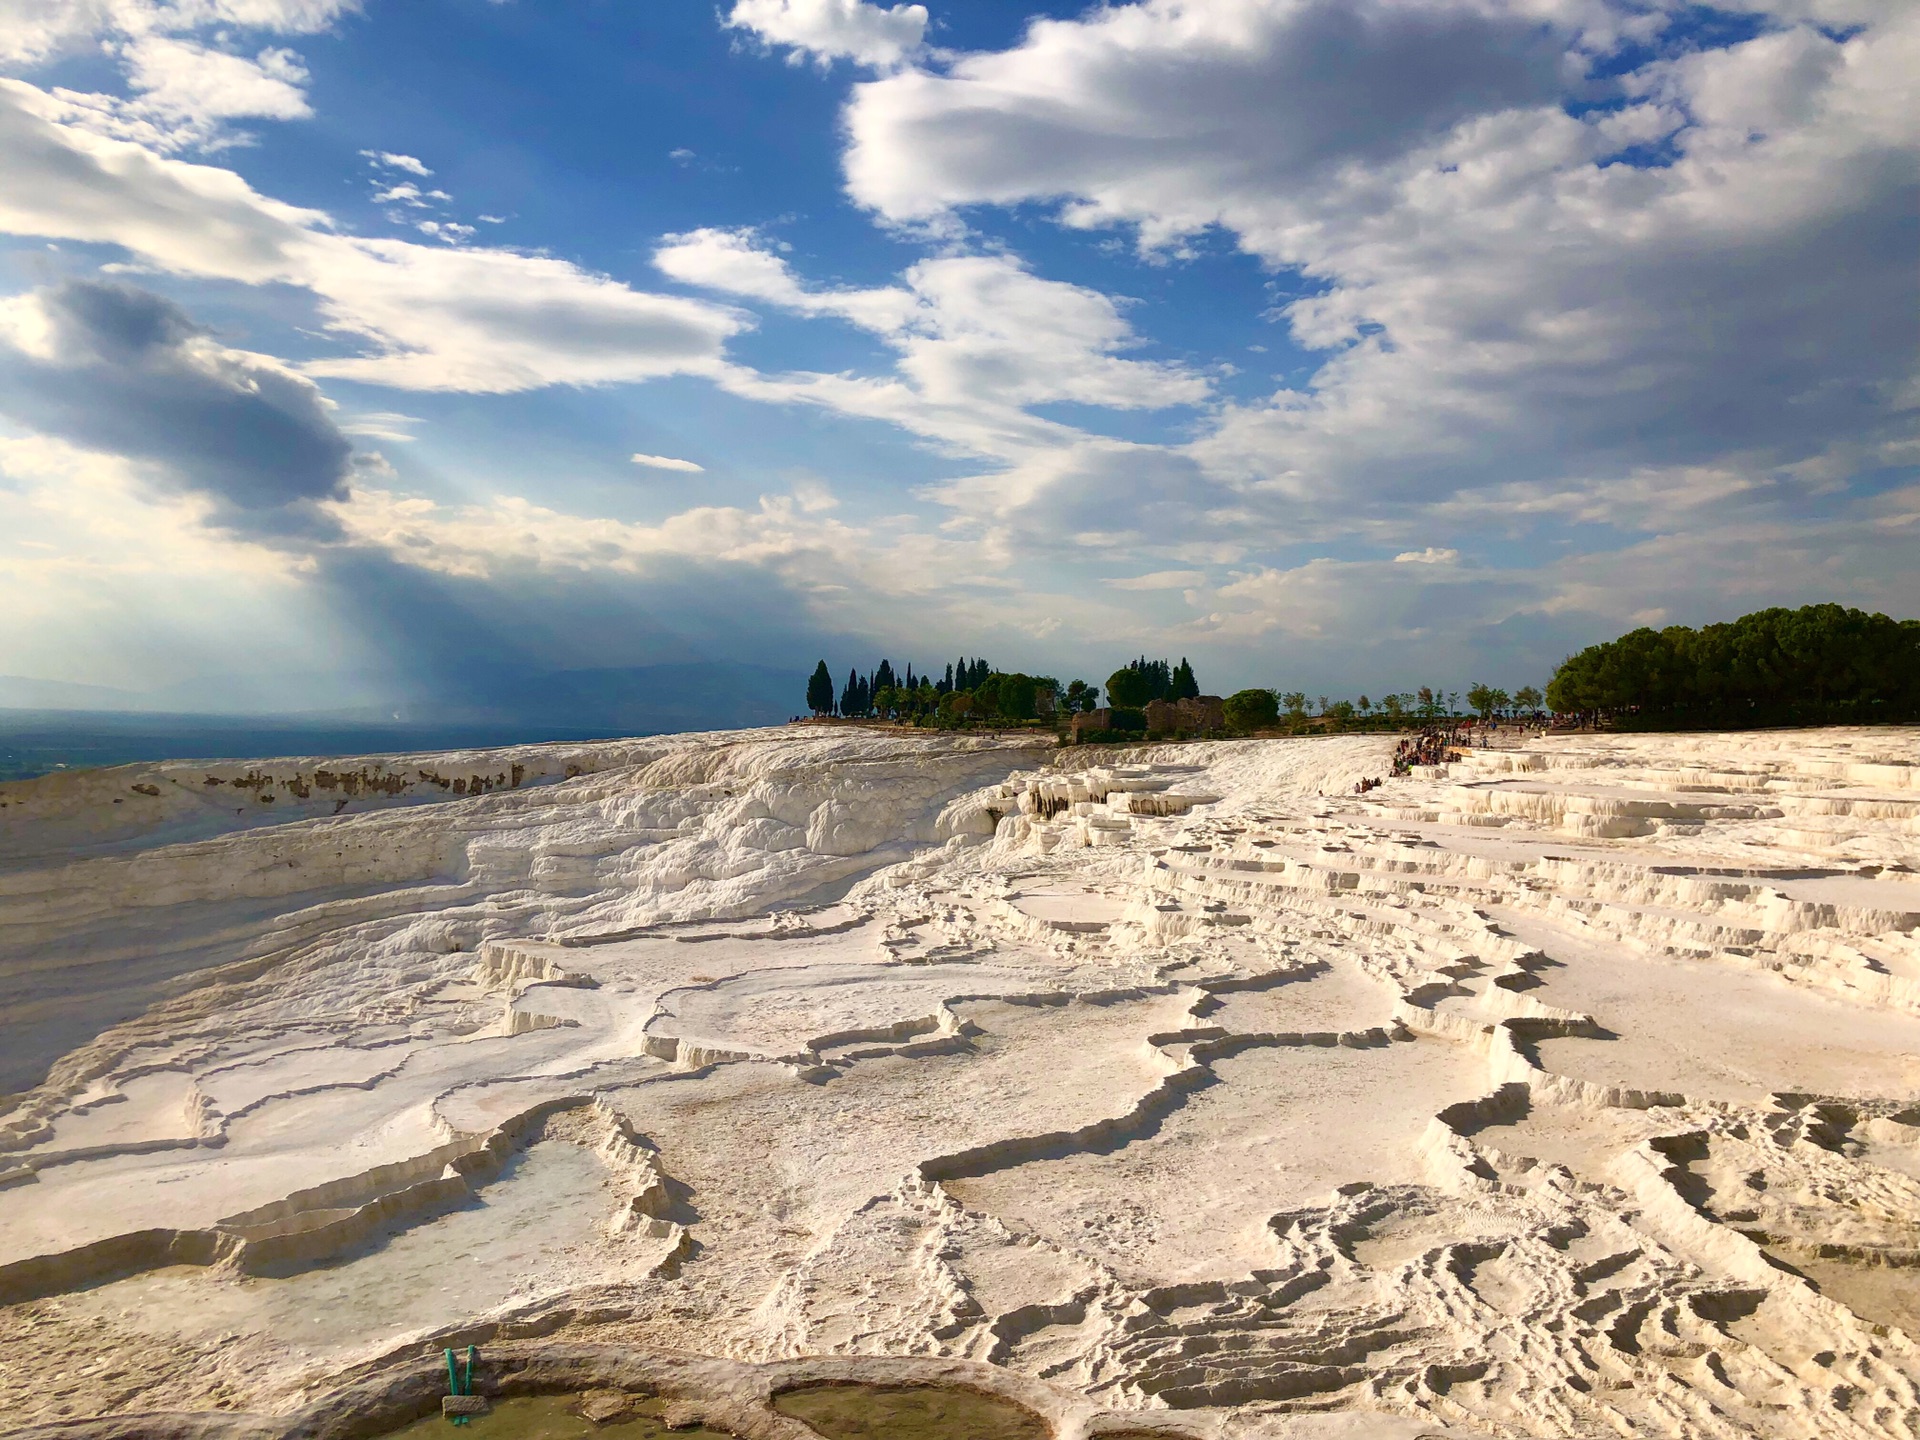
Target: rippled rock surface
column 1570, row 1089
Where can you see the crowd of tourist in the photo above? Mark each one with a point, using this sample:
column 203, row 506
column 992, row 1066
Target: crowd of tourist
column 1432, row 746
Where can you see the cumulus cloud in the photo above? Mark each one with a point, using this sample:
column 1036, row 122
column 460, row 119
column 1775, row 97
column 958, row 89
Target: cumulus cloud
column 190, row 72
column 431, row 318
column 1178, row 114
column 396, row 162
column 829, row 30
column 34, row 31
column 114, row 368
column 1539, row 266
column 196, row 82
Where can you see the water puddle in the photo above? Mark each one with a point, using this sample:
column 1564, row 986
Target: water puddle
column 909, row 1412
column 516, row 1236
column 551, row 1417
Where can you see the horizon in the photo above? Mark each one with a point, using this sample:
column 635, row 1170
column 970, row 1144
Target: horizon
column 359, row 358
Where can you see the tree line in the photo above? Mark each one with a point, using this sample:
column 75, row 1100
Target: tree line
column 1820, row 664
column 969, row 690
column 972, row 691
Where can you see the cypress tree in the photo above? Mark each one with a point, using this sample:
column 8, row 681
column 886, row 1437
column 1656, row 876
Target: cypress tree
column 820, row 690
column 945, row 687
column 849, row 697
column 1184, row 686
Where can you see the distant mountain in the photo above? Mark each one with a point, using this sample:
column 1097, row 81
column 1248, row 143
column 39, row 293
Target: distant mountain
column 642, row 699
column 22, row 692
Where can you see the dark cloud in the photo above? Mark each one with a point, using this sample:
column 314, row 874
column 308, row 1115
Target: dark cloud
column 129, row 372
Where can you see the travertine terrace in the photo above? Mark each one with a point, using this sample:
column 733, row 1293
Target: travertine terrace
column 1570, row 1089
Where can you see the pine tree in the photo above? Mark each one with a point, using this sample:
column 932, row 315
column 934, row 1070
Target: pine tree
column 883, row 677
column 820, row 690
column 945, row 687
column 849, row 697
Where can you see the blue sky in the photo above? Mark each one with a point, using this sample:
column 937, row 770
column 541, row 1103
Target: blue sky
column 1339, row 344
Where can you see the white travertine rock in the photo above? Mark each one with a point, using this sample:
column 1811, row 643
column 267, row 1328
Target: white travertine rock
column 1571, row 1088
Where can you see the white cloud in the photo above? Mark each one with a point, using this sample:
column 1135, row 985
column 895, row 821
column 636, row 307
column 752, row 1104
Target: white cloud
column 1516, row 327
column 183, row 60
column 980, row 339
column 1432, row 555
column 838, row 567
column 667, row 462
column 407, row 193
column 432, row 318
column 397, row 162
column 1177, row 114
column 879, row 577
column 196, row 83
column 1161, row 580
column 830, row 30
column 33, row 31
column 387, row 425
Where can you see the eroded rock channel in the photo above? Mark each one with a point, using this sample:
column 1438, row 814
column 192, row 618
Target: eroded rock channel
column 1570, row 1089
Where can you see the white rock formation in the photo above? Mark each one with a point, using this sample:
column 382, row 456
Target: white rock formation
column 1570, row 1089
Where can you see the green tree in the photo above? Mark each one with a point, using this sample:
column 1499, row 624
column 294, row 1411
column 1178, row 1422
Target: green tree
column 1296, row 703
column 1183, row 686
column 1248, row 710
column 1129, row 688
column 820, row 690
column 1016, row 697
column 1820, row 663
column 986, row 696
column 1480, row 697
column 1527, row 698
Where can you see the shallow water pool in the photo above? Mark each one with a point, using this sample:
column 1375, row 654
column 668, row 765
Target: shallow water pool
column 547, row 1417
column 909, row 1412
